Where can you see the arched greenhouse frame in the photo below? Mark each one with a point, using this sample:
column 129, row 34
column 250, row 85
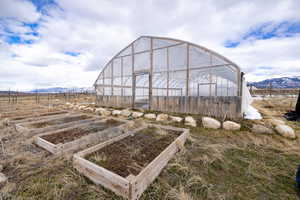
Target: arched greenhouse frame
column 171, row 75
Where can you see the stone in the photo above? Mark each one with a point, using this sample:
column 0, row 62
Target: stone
column 231, row 126
column 125, row 113
column 275, row 122
column 150, row 116
column 209, row 122
column 137, row 114
column 190, row 121
column 116, row 112
column 3, row 178
column 1, row 168
column 89, row 109
column 285, row 131
column 162, row 117
column 5, row 122
column 176, row 119
column 103, row 111
column 260, row 129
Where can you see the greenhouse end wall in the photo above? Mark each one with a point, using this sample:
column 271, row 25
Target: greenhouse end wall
column 171, row 75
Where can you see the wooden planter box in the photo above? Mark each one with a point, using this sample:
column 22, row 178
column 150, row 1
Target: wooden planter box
column 41, row 114
column 37, row 118
column 131, row 187
column 81, row 142
column 26, row 126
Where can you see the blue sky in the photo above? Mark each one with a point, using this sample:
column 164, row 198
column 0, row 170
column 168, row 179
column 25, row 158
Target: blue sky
column 62, row 43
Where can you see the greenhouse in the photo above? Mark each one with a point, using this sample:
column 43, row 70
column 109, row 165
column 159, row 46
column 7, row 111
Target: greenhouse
column 171, row 75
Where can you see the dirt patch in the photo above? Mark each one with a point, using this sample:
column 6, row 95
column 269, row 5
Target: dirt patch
column 73, row 134
column 58, row 121
column 133, row 153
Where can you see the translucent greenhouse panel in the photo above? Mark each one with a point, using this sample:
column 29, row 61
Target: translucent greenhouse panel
column 142, row 61
column 200, row 83
column 107, row 71
column 117, row 68
column 100, row 79
column 160, row 60
column 107, row 91
column 117, row 81
column 160, row 84
column 160, row 43
column 127, row 81
column 178, row 57
column 117, row 91
column 218, row 61
column 127, row 92
column 99, row 90
column 226, row 73
column 177, row 83
column 126, row 51
column 222, row 87
column 142, row 44
column 107, row 81
column 127, row 65
column 198, row 57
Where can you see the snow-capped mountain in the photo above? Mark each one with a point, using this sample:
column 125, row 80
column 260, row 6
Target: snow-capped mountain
column 283, row 82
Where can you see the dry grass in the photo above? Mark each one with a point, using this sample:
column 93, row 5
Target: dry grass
column 215, row 164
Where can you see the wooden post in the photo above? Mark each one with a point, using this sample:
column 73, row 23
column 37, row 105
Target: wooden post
column 298, row 105
column 133, row 76
column 150, row 74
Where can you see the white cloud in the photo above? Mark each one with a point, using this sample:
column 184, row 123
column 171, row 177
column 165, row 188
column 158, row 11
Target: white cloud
column 99, row 29
column 19, row 9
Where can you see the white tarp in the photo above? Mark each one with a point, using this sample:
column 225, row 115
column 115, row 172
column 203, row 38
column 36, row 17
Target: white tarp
column 249, row 111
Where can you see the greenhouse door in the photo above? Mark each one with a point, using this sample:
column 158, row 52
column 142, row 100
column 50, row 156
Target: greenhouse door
column 141, row 90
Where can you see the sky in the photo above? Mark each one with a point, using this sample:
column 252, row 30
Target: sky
column 63, row 43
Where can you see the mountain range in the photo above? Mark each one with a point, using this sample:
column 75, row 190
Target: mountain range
column 283, row 82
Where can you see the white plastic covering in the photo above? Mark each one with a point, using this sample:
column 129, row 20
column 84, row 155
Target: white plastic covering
column 249, row 111
column 177, row 68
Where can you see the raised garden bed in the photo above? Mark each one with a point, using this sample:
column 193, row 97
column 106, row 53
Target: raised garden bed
column 38, row 114
column 25, row 112
column 80, row 136
column 60, row 122
column 129, row 163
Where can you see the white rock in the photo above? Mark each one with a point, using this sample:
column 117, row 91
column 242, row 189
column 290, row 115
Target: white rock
column 150, row 116
column 285, row 131
column 5, row 122
column 162, row 117
column 3, row 178
column 68, row 103
column 137, row 114
column 176, row 119
column 260, row 129
column 209, row 122
column 116, row 112
column 190, row 121
column 232, row 126
column 89, row 109
column 275, row 122
column 125, row 113
column 102, row 111
column 1, row 168
column 82, row 107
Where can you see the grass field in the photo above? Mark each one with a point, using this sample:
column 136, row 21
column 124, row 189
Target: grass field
column 215, row 164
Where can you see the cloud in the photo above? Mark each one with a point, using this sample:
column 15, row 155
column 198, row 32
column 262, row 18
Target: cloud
column 66, row 43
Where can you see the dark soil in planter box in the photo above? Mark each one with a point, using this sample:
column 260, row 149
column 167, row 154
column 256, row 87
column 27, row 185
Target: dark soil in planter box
column 133, row 153
column 73, row 134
